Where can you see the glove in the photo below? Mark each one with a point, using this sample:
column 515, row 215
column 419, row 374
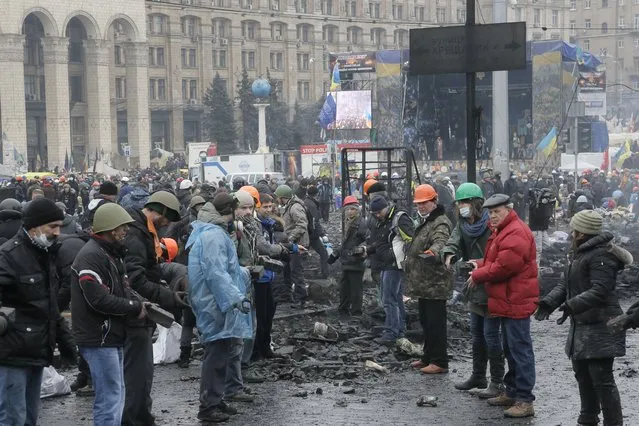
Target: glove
column 565, row 309
column 292, row 247
column 543, row 311
column 244, row 306
column 619, row 323
column 331, row 259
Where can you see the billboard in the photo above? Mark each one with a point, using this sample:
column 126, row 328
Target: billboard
column 592, row 91
column 353, row 61
column 354, row 110
column 196, row 148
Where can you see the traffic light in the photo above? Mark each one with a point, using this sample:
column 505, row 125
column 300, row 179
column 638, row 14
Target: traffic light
column 584, row 136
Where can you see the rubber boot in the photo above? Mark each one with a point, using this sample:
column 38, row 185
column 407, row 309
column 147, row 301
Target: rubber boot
column 497, row 371
column 185, row 357
column 478, row 376
column 81, row 381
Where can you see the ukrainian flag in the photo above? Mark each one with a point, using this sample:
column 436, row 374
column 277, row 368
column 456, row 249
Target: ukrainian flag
column 549, row 143
column 621, row 155
column 336, row 82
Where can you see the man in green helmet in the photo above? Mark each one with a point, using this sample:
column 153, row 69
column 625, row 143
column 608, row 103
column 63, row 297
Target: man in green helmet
column 143, row 261
column 100, row 302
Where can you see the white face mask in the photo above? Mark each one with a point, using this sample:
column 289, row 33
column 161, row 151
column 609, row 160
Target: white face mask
column 42, row 241
column 464, row 212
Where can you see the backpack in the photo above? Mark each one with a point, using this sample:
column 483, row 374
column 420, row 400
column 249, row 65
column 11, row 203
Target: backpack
column 400, row 242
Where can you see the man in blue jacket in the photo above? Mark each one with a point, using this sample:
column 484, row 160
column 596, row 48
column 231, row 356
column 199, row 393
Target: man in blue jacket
column 218, row 288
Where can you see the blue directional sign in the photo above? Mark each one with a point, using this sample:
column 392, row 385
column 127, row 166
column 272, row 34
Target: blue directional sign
column 469, row 48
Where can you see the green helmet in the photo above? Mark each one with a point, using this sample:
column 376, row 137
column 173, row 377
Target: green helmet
column 166, row 204
column 467, row 191
column 284, row 191
column 109, row 216
column 196, row 201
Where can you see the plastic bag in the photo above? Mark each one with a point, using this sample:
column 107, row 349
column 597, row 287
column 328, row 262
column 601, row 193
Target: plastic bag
column 166, row 349
column 53, row 384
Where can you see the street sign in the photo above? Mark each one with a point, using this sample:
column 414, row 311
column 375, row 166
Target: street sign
column 471, row 48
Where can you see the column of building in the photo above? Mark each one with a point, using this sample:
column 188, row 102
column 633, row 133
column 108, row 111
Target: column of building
column 12, row 106
column 98, row 57
column 56, row 81
column 138, row 123
column 175, row 86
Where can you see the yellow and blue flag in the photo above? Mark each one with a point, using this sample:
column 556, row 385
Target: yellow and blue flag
column 336, row 82
column 549, row 143
column 328, row 112
column 624, row 153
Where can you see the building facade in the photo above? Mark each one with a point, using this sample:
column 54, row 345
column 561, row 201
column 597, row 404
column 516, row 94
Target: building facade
column 87, row 79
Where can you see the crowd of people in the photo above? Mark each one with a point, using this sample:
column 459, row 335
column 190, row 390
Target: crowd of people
column 119, row 254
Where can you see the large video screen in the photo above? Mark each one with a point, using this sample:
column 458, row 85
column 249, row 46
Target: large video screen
column 353, row 110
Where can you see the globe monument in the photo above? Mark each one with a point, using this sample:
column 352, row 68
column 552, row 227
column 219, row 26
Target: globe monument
column 261, row 89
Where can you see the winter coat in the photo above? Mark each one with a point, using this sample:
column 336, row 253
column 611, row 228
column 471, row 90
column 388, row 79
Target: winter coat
column 70, row 200
column 10, row 224
column 28, row 283
column 143, row 266
column 217, row 284
column 70, row 225
column 70, row 246
column 465, row 247
column 312, row 206
column 135, row 199
column 125, row 189
column 355, row 236
column 588, row 290
column 100, row 295
column 86, row 221
column 380, row 246
column 184, row 197
column 509, row 270
column 296, row 222
column 428, row 277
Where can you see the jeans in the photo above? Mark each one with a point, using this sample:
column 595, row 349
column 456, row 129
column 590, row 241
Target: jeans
column 296, row 276
column 518, row 348
column 138, row 376
column 487, row 347
column 325, row 207
column 392, row 298
column 432, row 316
column 597, row 388
column 20, row 395
column 107, row 373
column 540, row 237
column 351, row 292
column 233, row 381
column 320, row 249
column 188, row 324
column 214, row 376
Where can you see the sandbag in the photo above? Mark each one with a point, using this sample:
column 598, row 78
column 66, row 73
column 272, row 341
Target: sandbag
column 53, row 384
column 166, row 349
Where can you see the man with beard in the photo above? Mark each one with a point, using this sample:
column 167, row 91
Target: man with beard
column 27, row 284
column 100, row 302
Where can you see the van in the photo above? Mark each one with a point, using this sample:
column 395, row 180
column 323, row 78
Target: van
column 254, row 177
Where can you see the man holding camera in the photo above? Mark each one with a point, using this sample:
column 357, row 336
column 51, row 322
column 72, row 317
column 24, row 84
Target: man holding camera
column 29, row 315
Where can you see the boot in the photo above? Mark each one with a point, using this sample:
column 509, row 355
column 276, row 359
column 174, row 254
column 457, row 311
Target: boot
column 185, row 357
column 80, row 381
column 493, row 390
column 501, row 401
column 478, row 376
column 520, row 410
column 497, row 370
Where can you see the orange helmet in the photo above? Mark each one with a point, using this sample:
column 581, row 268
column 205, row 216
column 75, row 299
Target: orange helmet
column 350, row 200
column 169, row 248
column 368, row 184
column 424, row 193
column 254, row 193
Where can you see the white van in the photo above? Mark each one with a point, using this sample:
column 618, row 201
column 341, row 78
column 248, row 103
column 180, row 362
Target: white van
column 254, row 177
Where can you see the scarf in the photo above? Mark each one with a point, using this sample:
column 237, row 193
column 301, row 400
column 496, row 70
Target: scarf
column 477, row 228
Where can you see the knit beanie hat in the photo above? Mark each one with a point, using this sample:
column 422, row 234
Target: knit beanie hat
column 376, row 187
column 587, row 222
column 108, row 188
column 378, row 204
column 40, row 212
column 224, row 203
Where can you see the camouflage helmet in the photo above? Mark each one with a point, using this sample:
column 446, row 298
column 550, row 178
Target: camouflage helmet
column 164, row 203
column 110, row 216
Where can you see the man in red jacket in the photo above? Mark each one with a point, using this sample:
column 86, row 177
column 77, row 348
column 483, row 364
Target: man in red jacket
column 509, row 274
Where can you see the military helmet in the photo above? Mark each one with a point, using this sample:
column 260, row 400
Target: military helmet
column 166, row 204
column 109, row 216
column 11, row 204
column 468, row 190
column 284, row 191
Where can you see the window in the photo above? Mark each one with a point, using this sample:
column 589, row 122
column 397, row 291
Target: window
column 248, row 59
column 620, row 44
column 554, row 18
column 303, row 90
column 303, row 60
column 157, row 24
column 193, row 89
column 573, row 4
column 461, row 16
column 377, row 36
column 249, row 30
column 622, row 22
column 325, row 62
column 277, row 32
column 275, row 4
column 189, row 58
column 588, row 24
column 185, row 89
column 277, row 60
column 76, row 89
column 304, row 32
column 586, row 44
column 191, row 131
column 120, row 87
column 604, row 28
column 220, row 27
column 30, row 87
column 192, row 58
column 420, row 15
column 353, row 35
column 219, row 58
column 586, row 4
column 159, row 56
column 161, row 89
column 350, row 7
column 152, row 89
column 119, row 55
column 246, row 4
column 329, row 34
column 398, row 11
column 441, row 15
column 189, row 26
column 301, row 6
column 604, row 3
column 373, row 9
column 573, row 28
column 519, row 14
column 327, row 7
column 636, row 21
column 537, row 17
column 400, row 38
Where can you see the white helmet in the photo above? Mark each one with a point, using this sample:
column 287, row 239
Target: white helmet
column 395, row 175
column 384, row 175
column 186, row 184
column 125, row 179
column 582, row 199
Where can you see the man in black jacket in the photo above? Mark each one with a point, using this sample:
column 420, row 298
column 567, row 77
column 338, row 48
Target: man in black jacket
column 100, row 302
column 145, row 274
column 10, row 218
column 28, row 284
